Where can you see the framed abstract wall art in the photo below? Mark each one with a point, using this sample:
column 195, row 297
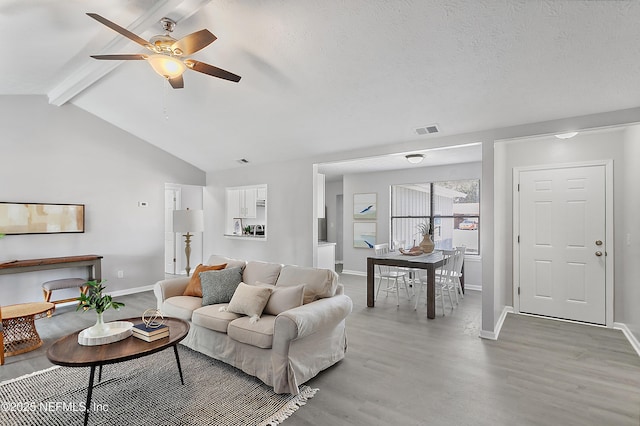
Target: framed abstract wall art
column 365, row 206
column 364, row 234
column 37, row 218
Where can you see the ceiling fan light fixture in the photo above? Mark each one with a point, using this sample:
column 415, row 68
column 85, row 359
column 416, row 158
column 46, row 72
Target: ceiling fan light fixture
column 167, row 66
column 414, row 158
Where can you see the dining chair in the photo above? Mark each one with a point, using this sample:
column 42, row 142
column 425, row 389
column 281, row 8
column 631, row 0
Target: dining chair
column 391, row 274
column 412, row 273
column 443, row 283
column 457, row 271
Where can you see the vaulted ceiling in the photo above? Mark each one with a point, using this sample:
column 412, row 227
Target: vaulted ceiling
column 327, row 76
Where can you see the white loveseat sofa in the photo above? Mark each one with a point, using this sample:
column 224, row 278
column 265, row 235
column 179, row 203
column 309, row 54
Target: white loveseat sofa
column 283, row 350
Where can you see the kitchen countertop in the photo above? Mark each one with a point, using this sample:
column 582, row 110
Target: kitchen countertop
column 325, row 243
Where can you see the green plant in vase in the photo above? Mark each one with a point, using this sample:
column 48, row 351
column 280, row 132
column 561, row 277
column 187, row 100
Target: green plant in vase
column 95, row 299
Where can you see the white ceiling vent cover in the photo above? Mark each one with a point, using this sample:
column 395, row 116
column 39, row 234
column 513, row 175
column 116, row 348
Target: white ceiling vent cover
column 427, row 130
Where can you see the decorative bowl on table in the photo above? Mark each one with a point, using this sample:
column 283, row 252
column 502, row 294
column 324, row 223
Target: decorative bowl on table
column 113, row 332
column 414, row 251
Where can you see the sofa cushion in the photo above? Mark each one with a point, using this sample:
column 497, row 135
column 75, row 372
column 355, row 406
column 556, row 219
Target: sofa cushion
column 258, row 334
column 261, row 271
column 318, row 283
column 215, row 259
column 284, row 298
column 219, row 286
column 181, row 306
column 194, row 288
column 249, row 300
column 212, row 318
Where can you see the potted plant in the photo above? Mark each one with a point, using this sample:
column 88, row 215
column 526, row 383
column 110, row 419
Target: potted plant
column 95, row 299
column 426, row 244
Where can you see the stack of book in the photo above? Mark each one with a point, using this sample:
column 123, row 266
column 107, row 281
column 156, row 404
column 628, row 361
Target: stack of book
column 149, row 334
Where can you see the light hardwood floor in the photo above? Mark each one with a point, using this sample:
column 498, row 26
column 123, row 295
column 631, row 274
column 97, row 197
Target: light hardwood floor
column 402, row 369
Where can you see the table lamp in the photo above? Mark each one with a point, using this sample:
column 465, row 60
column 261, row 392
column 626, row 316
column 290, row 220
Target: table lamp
column 188, row 221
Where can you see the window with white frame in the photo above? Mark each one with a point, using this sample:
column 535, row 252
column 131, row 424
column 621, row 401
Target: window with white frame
column 451, row 207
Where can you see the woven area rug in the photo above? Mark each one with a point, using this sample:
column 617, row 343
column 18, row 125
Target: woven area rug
column 147, row 391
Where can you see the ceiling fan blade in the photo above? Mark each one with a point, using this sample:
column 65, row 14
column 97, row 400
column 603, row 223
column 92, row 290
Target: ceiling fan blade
column 124, row 57
column 117, row 28
column 177, row 82
column 211, row 70
column 193, row 42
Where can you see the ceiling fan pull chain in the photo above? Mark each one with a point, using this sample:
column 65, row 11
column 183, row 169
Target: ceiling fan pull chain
column 165, row 97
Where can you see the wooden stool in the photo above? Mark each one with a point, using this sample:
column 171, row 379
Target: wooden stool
column 20, row 334
column 49, row 286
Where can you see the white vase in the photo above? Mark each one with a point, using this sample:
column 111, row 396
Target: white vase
column 99, row 329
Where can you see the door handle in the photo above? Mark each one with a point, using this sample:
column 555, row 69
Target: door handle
column 598, row 253
column 598, row 242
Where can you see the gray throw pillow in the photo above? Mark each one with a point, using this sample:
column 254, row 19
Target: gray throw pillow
column 219, row 286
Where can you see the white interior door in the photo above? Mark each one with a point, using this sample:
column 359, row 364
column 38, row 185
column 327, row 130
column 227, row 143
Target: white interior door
column 172, row 197
column 562, row 230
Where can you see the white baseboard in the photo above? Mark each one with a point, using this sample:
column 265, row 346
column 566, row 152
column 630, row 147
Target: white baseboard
column 131, row 290
column 493, row 335
column 629, row 335
column 358, row 273
column 472, row 287
column 116, row 293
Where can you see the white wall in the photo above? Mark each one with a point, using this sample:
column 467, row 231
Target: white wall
column 291, row 223
column 332, row 190
column 587, row 146
column 629, row 312
column 65, row 155
column 294, row 237
column 355, row 259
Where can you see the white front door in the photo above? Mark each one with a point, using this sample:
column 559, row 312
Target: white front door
column 562, row 243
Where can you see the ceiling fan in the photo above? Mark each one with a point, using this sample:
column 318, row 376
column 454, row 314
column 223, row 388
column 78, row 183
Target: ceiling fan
column 169, row 56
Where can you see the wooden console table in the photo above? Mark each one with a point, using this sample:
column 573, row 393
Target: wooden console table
column 91, row 261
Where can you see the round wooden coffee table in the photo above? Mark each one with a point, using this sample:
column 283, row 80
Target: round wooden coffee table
column 69, row 353
column 18, row 322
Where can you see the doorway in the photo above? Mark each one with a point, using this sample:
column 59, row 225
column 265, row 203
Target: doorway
column 563, row 253
column 179, row 197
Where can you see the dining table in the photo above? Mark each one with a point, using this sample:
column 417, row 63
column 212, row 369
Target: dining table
column 430, row 262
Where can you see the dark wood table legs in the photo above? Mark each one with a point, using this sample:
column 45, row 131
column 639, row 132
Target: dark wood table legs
column 175, row 351
column 431, row 293
column 92, row 373
column 426, row 262
column 87, row 407
column 370, row 278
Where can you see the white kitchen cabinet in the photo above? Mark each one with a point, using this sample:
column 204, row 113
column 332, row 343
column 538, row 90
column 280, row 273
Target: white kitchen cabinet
column 326, row 257
column 320, row 194
column 246, row 207
column 242, row 203
column 248, row 198
column 262, row 193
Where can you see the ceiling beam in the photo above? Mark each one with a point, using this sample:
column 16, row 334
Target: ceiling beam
column 88, row 70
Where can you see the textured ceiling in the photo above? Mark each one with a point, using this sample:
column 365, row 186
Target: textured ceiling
column 329, row 76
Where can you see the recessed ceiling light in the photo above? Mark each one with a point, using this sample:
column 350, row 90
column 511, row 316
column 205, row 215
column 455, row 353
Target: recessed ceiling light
column 567, row 135
column 414, row 158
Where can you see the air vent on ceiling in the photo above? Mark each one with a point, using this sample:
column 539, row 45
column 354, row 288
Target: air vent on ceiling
column 243, row 161
column 427, row 130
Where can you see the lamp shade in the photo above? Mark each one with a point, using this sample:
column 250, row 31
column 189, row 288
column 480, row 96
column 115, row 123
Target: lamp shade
column 188, row 220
